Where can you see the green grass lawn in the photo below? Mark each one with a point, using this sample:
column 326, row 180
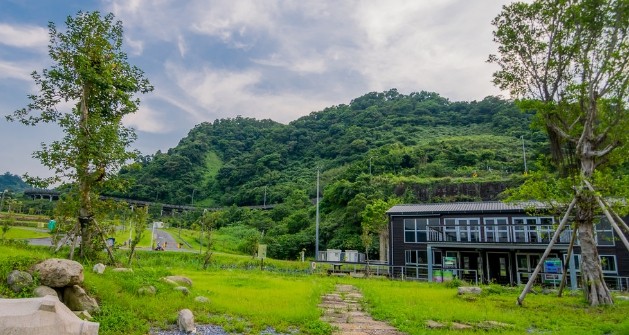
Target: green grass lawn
column 248, row 301
column 20, row 233
column 123, row 235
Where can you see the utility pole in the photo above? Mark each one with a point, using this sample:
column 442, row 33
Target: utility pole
column 526, row 171
column 317, row 221
column 2, row 201
column 264, row 203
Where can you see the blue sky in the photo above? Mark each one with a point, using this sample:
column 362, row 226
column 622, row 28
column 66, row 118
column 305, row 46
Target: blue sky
column 267, row 59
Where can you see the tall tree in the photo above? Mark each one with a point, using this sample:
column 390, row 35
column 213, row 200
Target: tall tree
column 90, row 71
column 569, row 60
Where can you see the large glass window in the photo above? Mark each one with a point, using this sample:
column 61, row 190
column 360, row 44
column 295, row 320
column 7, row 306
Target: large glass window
column 462, row 230
column 604, row 233
column 416, row 257
column 417, row 230
column 533, row 229
column 608, row 263
column 496, row 230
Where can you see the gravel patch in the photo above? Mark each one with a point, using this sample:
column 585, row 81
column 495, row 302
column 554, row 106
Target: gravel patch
column 201, row 330
column 215, row 330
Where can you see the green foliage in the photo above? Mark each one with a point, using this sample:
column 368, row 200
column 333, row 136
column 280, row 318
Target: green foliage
column 138, row 219
column 12, row 183
column 90, row 69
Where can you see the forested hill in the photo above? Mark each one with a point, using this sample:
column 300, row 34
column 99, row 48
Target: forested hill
column 421, row 147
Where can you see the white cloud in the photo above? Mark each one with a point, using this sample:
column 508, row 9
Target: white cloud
column 146, row 119
column 23, row 36
column 11, row 70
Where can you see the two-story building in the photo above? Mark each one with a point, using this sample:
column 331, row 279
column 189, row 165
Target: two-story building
column 491, row 242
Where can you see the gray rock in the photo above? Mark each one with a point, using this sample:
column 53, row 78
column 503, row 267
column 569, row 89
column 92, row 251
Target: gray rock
column 434, row 324
column 77, row 300
column 469, row 290
column 185, row 321
column 58, row 273
column 202, row 299
column 147, row 290
column 181, row 280
column 19, row 280
column 42, row 291
column 622, row 297
column 122, row 270
column 99, row 268
column 182, row 289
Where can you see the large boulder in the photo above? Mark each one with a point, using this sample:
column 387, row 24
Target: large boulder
column 77, row 300
column 41, row 316
column 19, row 280
column 57, row 272
column 185, row 321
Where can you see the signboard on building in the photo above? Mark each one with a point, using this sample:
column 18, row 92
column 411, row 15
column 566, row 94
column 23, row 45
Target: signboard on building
column 449, row 262
column 552, row 271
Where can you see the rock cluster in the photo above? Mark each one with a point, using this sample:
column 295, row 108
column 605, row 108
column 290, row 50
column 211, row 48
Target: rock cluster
column 64, row 278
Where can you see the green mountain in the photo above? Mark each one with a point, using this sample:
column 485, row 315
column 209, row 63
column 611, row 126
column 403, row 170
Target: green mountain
column 415, row 139
column 419, row 147
column 12, row 183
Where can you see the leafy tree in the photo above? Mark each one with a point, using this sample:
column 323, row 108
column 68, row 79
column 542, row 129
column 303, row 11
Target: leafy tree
column 139, row 218
column 569, row 60
column 374, row 221
column 91, row 71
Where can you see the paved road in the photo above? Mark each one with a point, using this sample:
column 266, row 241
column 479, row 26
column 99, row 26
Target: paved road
column 160, row 237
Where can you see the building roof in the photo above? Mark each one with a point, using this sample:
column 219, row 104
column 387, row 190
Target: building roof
column 464, row 207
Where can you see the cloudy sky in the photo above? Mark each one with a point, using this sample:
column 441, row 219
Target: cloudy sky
column 267, row 59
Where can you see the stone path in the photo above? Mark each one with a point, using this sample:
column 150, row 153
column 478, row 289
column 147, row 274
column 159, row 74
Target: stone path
column 343, row 310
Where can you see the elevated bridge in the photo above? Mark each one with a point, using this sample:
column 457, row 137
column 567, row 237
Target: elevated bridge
column 167, row 209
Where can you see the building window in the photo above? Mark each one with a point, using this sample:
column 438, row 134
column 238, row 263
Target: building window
column 576, row 258
column 437, row 258
column 497, row 230
column 608, row 263
column 417, row 230
column 462, row 230
column 604, row 233
column 532, row 229
column 416, row 257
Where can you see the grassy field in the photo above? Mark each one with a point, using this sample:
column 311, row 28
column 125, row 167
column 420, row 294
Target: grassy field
column 20, row 233
column 245, row 300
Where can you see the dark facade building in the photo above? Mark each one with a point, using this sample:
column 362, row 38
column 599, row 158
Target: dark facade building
column 492, row 242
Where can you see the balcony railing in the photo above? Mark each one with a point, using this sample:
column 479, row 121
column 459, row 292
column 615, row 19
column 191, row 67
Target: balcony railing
column 492, row 234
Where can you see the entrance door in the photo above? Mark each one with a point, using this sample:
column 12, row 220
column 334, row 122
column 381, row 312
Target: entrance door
column 498, row 267
column 469, row 264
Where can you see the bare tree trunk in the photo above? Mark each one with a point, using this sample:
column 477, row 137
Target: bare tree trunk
column 594, row 286
column 85, row 203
